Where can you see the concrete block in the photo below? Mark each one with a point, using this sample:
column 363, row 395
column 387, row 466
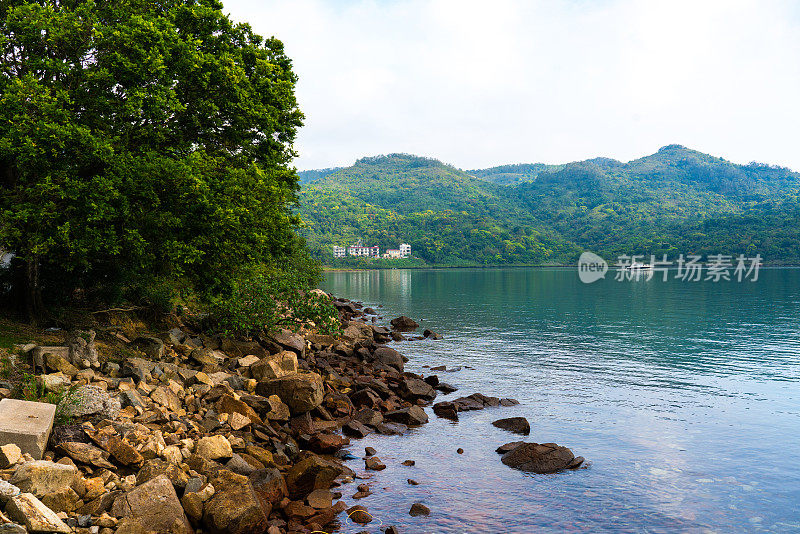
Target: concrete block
column 26, row 424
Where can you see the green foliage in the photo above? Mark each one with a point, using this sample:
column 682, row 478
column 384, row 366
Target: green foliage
column 141, row 142
column 675, row 201
column 273, row 298
column 32, row 389
column 445, row 215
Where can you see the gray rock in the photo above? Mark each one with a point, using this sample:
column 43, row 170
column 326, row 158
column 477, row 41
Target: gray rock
column 12, row 528
column 151, row 346
column 7, row 491
column 89, row 400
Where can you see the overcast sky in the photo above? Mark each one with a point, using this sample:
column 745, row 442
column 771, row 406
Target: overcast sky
column 478, row 84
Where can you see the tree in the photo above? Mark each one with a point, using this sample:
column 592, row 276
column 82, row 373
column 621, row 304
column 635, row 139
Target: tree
column 141, row 141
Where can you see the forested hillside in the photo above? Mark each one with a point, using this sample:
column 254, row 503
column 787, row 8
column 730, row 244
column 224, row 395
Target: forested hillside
column 674, row 201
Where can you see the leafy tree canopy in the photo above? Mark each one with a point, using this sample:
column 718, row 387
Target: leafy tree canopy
column 141, row 141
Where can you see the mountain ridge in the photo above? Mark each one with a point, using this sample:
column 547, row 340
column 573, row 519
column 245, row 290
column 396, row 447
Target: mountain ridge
column 541, row 213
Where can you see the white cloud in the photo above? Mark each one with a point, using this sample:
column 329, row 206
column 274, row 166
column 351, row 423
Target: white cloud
column 484, row 83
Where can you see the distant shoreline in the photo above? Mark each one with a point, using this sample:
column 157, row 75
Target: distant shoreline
column 328, row 268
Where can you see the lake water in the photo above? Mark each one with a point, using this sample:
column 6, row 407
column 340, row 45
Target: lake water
column 684, row 397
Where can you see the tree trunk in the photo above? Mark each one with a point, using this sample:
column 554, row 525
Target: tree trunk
column 34, row 306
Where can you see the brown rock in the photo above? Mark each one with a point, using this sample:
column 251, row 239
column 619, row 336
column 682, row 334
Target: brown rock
column 312, row 472
column 166, row 398
column 413, row 389
column 155, row 505
column 234, row 508
column 214, row 448
column 359, row 514
column 123, row 451
column 374, row 463
column 301, row 392
column 10, row 454
column 29, row 511
column 158, row 467
column 389, row 356
column 86, row 453
column 419, row 509
column 65, row 500
column 328, row 443
column 413, row 415
column 541, row 458
column 518, row 425
column 227, row 404
column 502, row 449
column 404, row 324
column 446, row 410
column 269, row 486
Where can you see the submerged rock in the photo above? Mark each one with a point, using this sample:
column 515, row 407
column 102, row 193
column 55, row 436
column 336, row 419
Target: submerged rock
column 541, row 458
column 419, row 509
column 518, row 425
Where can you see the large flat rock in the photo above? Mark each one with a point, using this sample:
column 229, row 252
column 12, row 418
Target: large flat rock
column 26, row 424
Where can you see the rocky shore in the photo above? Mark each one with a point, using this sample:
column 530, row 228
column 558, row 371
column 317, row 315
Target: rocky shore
column 182, row 432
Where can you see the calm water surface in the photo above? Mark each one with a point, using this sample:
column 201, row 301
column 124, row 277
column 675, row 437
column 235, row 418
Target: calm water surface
column 684, row 397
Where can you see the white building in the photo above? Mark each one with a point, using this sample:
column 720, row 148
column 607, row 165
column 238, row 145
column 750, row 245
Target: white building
column 405, row 250
column 392, row 253
column 369, row 252
column 339, row 252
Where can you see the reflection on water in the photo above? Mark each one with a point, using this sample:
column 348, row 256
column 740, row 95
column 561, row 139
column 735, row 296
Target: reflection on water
column 684, row 396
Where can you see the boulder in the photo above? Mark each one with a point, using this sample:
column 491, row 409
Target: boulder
column 541, row 458
column 310, row 473
column 235, row 508
column 123, row 451
column 7, row 490
column 413, row 415
column 446, row 410
column 518, row 425
column 301, row 392
column 10, row 454
column 274, row 366
column 445, row 388
column 368, row 416
column 278, row 410
column 66, row 500
column 167, row 398
column 58, row 363
column 86, row 453
column 419, row 509
column 82, row 350
column 291, row 341
column 404, row 324
column 88, row 400
column 214, row 448
column 359, row 514
column 155, row 505
column 227, row 404
column 41, row 477
column 431, row 334
column 374, row 463
column 157, row 467
column 269, row 485
column 151, row 346
column 27, row 510
column 413, row 389
column 505, row 447
column 389, row 356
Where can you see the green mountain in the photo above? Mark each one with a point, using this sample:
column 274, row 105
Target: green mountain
column 674, row 201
